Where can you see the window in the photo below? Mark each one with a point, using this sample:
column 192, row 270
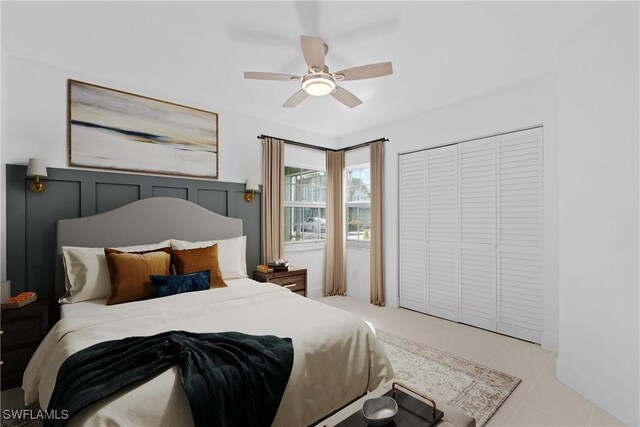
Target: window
column 358, row 204
column 304, row 204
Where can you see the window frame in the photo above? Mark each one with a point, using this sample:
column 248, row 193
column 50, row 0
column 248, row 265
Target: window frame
column 356, row 242
column 310, row 244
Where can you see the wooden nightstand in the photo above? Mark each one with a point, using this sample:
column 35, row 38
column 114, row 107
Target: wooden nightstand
column 22, row 330
column 295, row 279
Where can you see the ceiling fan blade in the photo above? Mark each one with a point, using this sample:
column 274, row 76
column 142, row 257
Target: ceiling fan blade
column 346, row 97
column 270, row 76
column 313, row 52
column 365, row 71
column 296, row 99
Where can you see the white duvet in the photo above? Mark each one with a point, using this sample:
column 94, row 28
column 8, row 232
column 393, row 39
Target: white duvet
column 336, row 355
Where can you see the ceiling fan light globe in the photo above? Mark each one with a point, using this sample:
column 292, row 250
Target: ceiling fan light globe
column 318, row 84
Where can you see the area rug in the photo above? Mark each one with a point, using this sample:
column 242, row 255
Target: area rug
column 475, row 389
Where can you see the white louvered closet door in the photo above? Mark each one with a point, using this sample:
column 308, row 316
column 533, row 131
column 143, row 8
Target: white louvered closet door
column 413, row 240
column 473, row 212
column 442, row 232
column 477, row 180
column 520, row 234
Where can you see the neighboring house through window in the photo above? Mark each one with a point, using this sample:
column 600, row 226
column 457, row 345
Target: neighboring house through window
column 358, row 203
column 304, row 204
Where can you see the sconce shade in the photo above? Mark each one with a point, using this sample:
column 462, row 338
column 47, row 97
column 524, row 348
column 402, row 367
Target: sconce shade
column 37, row 167
column 252, row 184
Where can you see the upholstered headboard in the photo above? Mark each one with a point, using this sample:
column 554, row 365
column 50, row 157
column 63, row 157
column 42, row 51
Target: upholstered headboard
column 144, row 221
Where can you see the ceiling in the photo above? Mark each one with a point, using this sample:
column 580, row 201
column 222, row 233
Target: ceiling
column 197, row 51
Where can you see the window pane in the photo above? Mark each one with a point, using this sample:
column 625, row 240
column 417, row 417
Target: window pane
column 352, row 223
column 359, row 223
column 322, row 179
column 365, row 177
column 297, row 233
column 288, row 226
column 304, row 186
column 288, row 191
column 358, row 185
column 364, row 216
column 314, row 225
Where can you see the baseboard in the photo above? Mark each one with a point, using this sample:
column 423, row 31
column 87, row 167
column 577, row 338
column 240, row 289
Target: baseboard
column 620, row 406
column 314, row 293
column 549, row 342
column 393, row 302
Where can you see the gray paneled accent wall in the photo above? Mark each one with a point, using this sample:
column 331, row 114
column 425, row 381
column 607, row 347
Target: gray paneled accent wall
column 71, row 193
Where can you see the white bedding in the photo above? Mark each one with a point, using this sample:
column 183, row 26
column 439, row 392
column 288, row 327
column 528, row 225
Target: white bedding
column 84, row 308
column 336, row 355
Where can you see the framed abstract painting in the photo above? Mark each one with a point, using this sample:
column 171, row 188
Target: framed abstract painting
column 112, row 129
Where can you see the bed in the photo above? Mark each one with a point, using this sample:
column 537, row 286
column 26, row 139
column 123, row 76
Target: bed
column 337, row 357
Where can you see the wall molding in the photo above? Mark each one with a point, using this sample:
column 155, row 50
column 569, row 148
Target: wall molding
column 71, row 193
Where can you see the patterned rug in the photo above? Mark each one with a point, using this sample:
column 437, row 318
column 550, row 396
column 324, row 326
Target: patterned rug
column 475, row 389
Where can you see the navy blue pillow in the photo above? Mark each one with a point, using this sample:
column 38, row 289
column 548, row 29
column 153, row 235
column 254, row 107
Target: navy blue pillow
column 171, row 285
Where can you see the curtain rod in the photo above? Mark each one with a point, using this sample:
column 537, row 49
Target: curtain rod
column 317, row 147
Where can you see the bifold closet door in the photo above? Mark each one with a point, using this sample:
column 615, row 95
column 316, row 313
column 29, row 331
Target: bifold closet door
column 477, row 180
column 470, row 221
column 413, row 242
column 442, row 232
column 520, row 233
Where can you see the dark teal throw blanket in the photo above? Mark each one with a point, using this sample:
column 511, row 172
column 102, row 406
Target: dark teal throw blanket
column 230, row 378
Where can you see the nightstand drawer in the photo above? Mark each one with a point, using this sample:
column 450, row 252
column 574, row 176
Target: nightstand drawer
column 11, row 379
column 27, row 330
column 294, row 279
column 293, row 283
column 17, row 359
column 22, row 331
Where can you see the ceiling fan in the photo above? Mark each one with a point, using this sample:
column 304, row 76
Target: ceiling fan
column 319, row 81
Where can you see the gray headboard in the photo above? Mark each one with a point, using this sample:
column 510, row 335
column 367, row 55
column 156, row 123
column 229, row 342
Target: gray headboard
column 32, row 218
column 147, row 221
column 144, row 221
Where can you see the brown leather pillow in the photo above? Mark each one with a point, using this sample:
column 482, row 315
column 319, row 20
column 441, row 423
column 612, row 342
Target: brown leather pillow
column 194, row 260
column 129, row 273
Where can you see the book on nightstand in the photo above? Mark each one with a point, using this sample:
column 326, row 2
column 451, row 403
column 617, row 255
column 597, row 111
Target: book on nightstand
column 279, row 265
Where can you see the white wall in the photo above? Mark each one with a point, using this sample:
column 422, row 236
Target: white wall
column 598, row 211
column 34, row 108
column 511, row 107
column 358, row 271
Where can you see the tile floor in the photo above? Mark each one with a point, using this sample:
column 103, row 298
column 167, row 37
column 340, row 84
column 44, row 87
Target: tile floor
column 539, row 400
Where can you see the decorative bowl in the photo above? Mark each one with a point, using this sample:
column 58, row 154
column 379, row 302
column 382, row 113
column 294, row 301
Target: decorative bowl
column 379, row 411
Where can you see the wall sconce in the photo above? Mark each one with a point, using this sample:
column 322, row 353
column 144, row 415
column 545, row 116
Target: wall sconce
column 250, row 189
column 37, row 168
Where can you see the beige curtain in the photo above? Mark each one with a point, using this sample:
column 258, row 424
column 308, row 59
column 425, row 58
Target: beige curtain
column 377, row 232
column 334, row 270
column 272, row 199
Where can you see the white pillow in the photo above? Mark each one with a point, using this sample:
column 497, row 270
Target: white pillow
column 232, row 254
column 87, row 273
